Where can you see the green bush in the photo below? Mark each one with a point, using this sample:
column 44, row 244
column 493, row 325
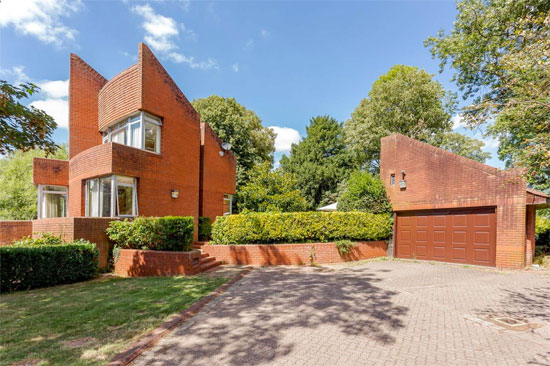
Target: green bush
column 300, row 227
column 542, row 231
column 170, row 233
column 205, row 228
column 24, row 267
column 364, row 192
column 43, row 239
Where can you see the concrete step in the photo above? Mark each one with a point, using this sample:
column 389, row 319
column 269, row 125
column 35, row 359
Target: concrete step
column 204, row 255
column 207, row 260
column 210, row 265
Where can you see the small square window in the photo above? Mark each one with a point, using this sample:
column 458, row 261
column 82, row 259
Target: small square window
column 392, row 179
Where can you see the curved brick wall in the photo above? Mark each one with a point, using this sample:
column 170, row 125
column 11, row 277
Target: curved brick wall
column 120, row 96
column 143, row 263
column 284, row 254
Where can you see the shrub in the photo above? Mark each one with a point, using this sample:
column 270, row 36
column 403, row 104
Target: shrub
column 170, row 233
column 205, row 228
column 364, row 192
column 344, row 246
column 43, row 239
column 24, row 267
column 542, row 231
column 300, row 227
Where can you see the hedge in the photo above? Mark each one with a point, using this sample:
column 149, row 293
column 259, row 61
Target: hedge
column 26, row 267
column 170, row 233
column 205, row 228
column 300, row 227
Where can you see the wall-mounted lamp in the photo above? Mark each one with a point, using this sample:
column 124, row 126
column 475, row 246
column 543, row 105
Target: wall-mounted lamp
column 226, row 146
column 403, row 182
column 174, row 193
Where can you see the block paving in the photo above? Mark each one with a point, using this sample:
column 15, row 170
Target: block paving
column 390, row 312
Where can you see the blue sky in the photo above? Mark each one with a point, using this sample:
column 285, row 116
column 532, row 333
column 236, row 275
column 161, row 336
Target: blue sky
column 287, row 61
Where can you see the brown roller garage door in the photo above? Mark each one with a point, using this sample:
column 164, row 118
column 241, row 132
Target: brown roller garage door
column 458, row 236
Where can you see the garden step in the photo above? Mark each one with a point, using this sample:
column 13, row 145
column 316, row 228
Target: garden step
column 207, row 260
column 210, row 265
column 204, row 255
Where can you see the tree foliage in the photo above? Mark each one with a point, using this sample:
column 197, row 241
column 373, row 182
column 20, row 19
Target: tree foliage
column 406, row 100
column 251, row 142
column 465, row 146
column 320, row 161
column 500, row 50
column 269, row 190
column 22, row 127
column 364, row 192
column 18, row 195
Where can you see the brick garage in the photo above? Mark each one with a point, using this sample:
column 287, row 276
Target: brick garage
column 287, row 254
column 456, row 209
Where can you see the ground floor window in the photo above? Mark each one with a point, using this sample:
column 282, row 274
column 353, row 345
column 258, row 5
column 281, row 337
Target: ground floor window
column 52, row 201
column 227, row 204
column 110, row 196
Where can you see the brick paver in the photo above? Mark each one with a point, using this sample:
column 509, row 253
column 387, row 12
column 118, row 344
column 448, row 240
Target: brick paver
column 376, row 313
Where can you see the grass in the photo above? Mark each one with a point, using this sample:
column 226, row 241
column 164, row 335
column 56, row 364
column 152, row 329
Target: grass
column 87, row 323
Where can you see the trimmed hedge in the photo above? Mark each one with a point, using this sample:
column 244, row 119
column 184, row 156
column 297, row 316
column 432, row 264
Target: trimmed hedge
column 27, row 267
column 205, row 228
column 300, row 227
column 170, row 233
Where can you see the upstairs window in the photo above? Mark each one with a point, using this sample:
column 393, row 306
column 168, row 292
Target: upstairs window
column 52, row 201
column 110, row 196
column 141, row 131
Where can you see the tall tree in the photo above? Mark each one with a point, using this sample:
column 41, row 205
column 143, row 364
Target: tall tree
column 23, row 127
column 465, row 146
column 269, row 190
column 18, row 195
column 405, row 100
column 251, row 142
column 364, row 192
column 500, row 51
column 320, row 161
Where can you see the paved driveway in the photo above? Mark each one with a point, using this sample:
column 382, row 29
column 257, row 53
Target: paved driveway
column 375, row 313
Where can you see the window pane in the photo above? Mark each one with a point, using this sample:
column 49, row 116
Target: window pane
column 135, row 133
column 106, row 197
column 119, row 137
column 227, row 204
column 125, row 180
column 125, row 200
column 54, row 205
column 93, row 198
column 151, row 133
column 54, row 188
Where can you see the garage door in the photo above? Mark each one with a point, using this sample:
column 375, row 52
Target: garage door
column 458, row 236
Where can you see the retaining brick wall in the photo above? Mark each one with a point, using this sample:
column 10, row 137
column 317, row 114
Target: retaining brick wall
column 14, row 230
column 144, row 263
column 285, row 254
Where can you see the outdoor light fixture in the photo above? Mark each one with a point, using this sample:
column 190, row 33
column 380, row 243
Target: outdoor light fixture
column 174, row 193
column 226, row 146
column 403, row 182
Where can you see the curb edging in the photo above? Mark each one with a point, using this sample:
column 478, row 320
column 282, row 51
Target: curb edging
column 149, row 339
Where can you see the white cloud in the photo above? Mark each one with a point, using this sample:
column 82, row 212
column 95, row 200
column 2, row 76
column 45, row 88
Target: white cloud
column 162, row 33
column 40, row 18
column 185, row 4
column 458, row 122
column 490, row 143
column 235, row 67
column 16, row 73
column 57, row 108
column 55, row 89
column 248, row 45
column 265, row 33
column 286, row 136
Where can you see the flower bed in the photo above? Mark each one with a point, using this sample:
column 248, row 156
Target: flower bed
column 293, row 254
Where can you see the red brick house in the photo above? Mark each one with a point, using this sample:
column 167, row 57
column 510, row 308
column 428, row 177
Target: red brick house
column 136, row 147
column 453, row 209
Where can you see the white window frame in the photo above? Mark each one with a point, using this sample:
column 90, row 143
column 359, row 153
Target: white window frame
column 127, row 123
column 42, row 191
column 114, row 196
column 228, row 197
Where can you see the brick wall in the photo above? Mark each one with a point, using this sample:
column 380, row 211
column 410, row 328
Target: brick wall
column 217, row 174
column 14, row 230
column 142, row 263
column 287, row 254
column 50, row 171
column 439, row 179
column 71, row 228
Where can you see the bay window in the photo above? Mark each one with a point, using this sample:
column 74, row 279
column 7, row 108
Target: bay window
column 141, row 131
column 110, row 196
column 52, row 201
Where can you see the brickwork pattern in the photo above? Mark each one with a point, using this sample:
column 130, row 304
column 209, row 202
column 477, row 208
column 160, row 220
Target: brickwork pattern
column 11, row 230
column 438, row 179
column 50, row 172
column 142, row 263
column 379, row 313
column 286, row 254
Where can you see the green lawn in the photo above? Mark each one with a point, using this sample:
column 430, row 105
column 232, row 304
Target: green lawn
column 87, row 323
